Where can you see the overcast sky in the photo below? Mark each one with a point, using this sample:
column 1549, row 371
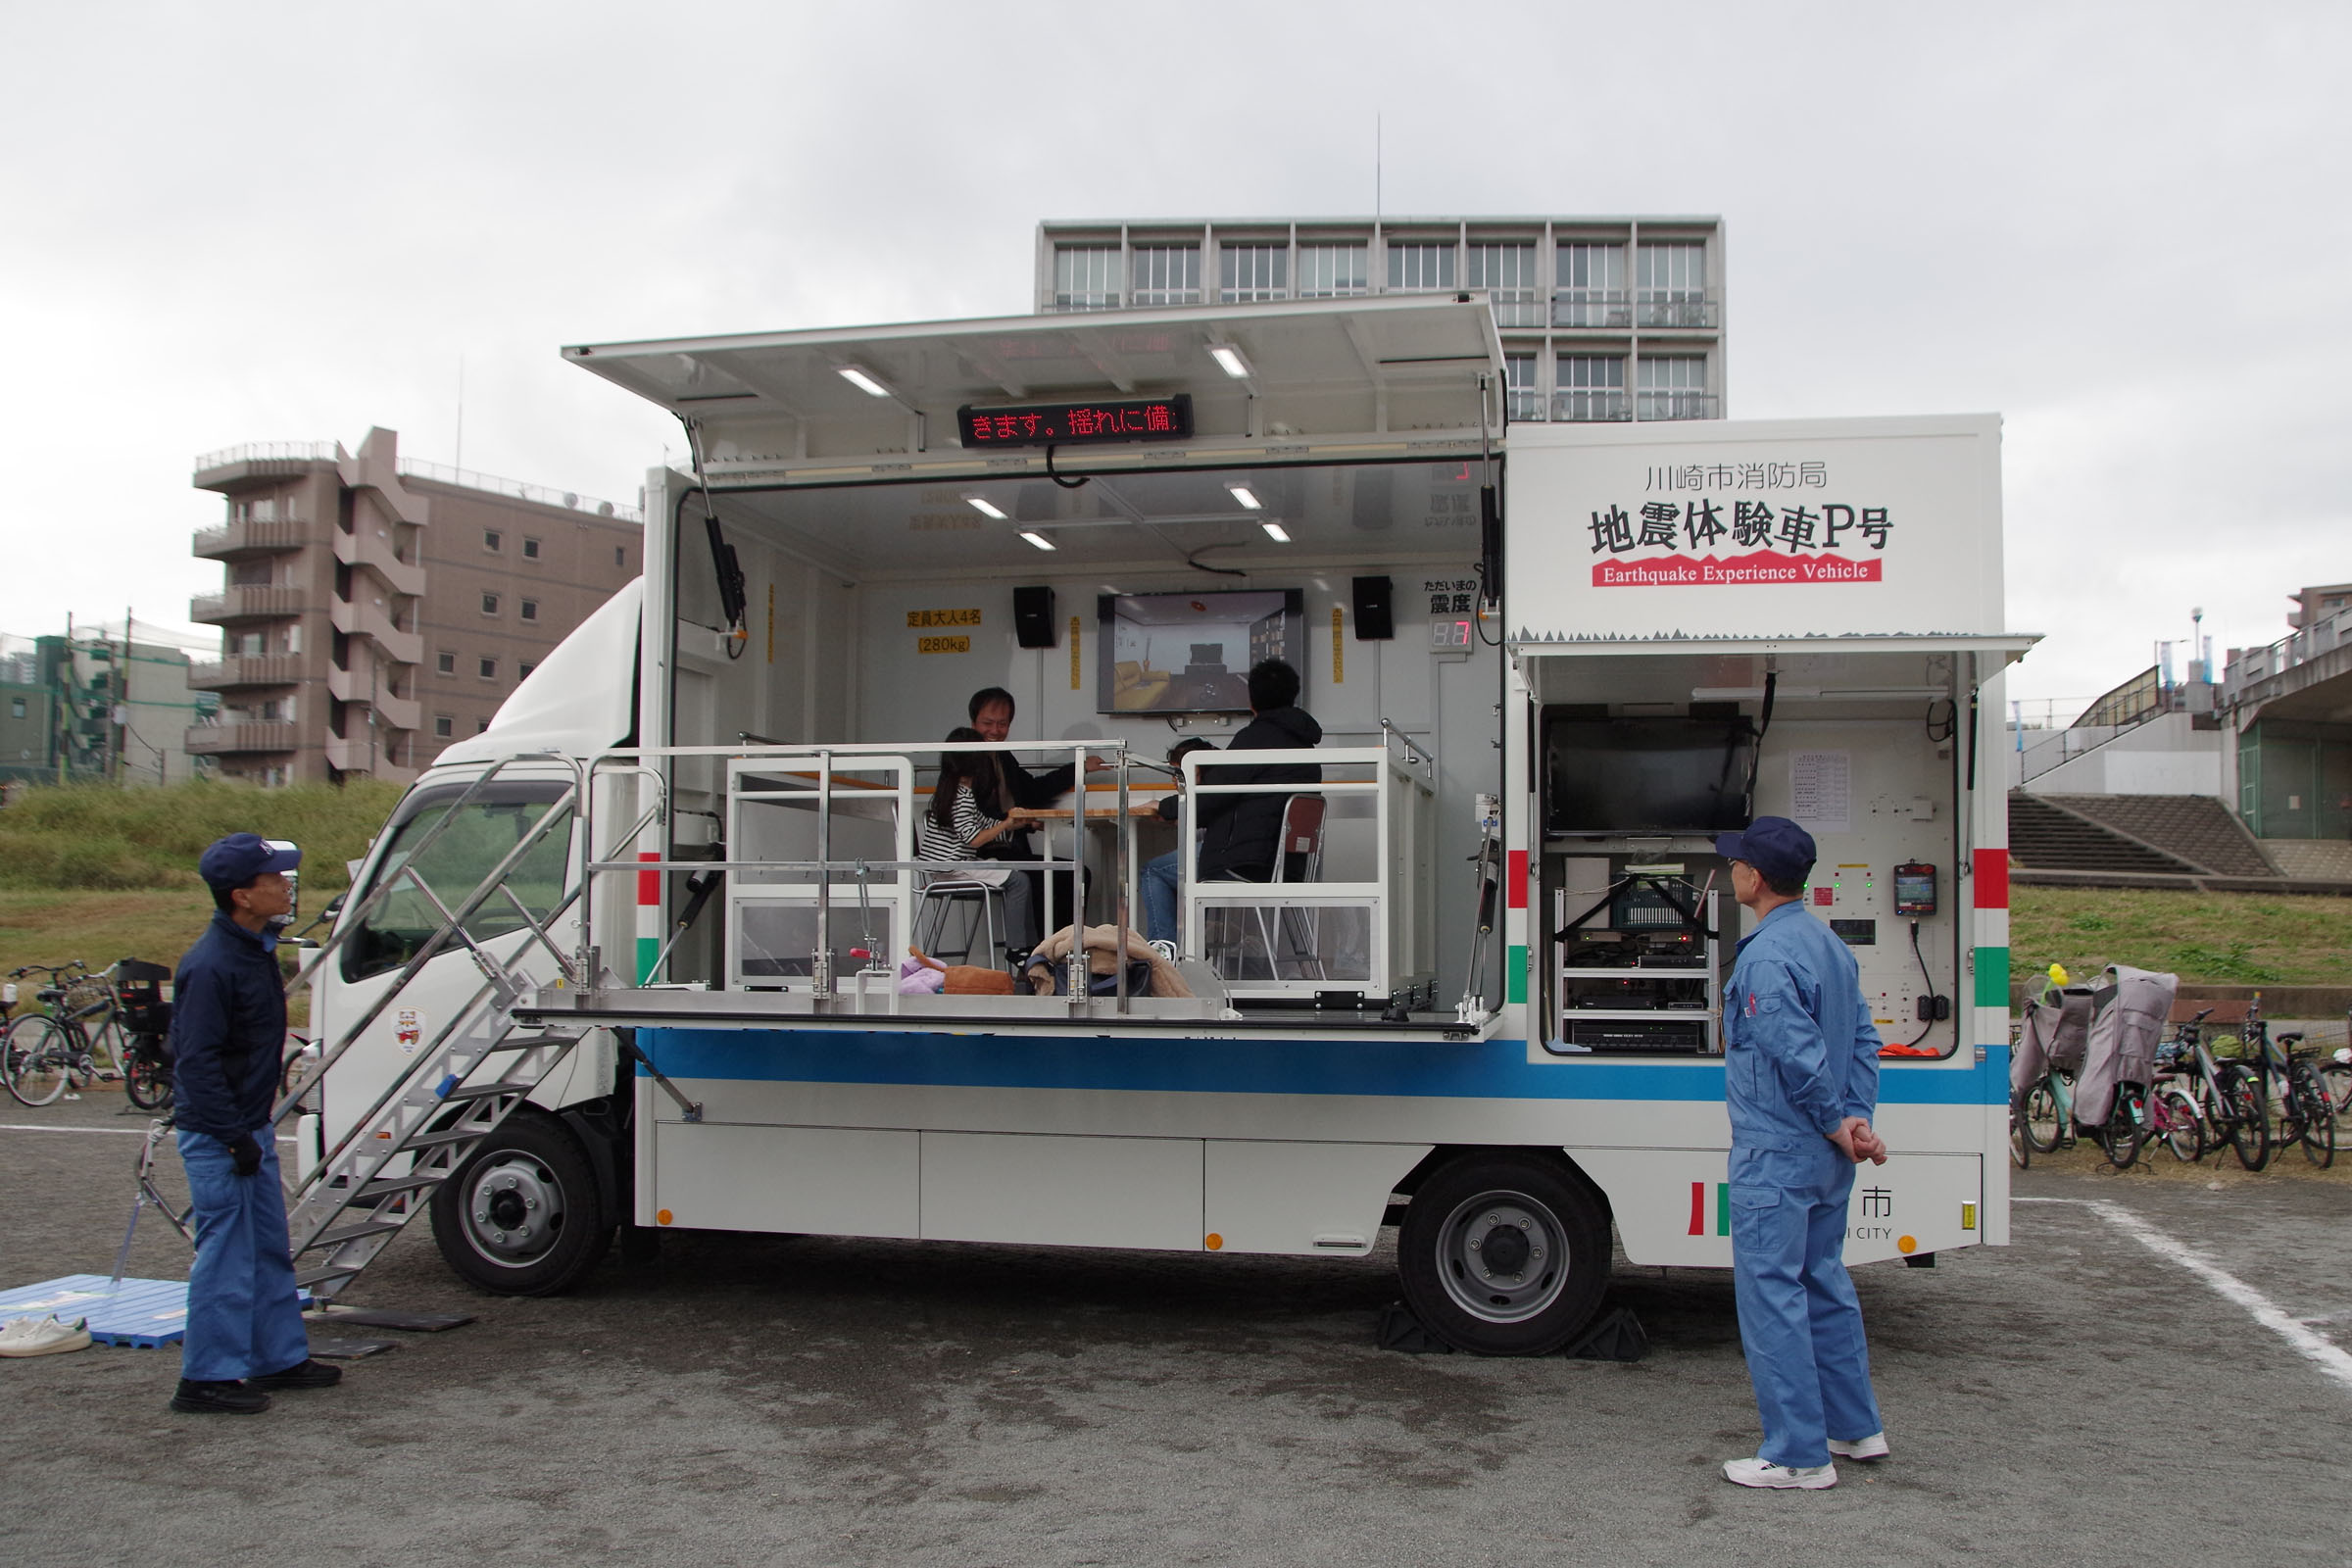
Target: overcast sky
column 2122, row 227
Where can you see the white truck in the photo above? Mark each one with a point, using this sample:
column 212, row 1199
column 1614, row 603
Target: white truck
column 629, row 958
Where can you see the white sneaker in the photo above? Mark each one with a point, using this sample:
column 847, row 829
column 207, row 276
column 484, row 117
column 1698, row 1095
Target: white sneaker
column 44, row 1335
column 1873, row 1447
column 1764, row 1473
column 1166, row 949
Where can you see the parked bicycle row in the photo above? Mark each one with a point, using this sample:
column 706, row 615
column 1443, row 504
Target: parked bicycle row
column 2122, row 1065
column 85, row 1026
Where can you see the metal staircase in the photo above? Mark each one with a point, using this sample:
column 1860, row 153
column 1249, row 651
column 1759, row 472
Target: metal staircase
column 461, row 1085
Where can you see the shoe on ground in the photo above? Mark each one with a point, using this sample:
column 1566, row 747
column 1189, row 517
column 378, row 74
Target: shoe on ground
column 218, row 1399
column 1873, row 1447
column 304, row 1374
column 44, row 1335
column 1780, row 1477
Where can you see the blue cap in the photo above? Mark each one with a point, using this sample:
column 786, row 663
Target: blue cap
column 1774, row 846
column 236, row 861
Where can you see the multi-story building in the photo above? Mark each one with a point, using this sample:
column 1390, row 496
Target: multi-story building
column 1602, row 318
column 374, row 609
column 98, row 703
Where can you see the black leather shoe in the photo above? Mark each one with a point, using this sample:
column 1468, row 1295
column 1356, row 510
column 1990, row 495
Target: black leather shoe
column 304, row 1374
column 218, row 1399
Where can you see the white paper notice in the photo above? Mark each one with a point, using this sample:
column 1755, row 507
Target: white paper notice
column 1821, row 791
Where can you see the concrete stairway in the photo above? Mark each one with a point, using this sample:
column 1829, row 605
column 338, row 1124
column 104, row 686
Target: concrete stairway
column 2193, row 828
column 2051, row 838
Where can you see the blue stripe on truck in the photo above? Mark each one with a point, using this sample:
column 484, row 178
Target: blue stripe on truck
column 1489, row 1069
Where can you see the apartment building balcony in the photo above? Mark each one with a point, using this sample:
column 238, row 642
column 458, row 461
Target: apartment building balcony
column 233, row 540
column 1676, row 307
column 1599, row 308
column 250, row 603
column 369, row 547
column 216, row 740
column 392, row 709
column 368, row 620
column 363, row 756
column 1677, row 405
column 1590, row 407
column 252, row 670
column 231, row 466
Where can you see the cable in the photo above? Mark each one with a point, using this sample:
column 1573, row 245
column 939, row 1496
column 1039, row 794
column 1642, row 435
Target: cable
column 1066, row 484
column 1200, row 565
column 1947, row 725
column 1914, row 1043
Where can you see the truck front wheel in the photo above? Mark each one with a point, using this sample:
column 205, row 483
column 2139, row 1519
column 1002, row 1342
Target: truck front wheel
column 1504, row 1253
column 523, row 1215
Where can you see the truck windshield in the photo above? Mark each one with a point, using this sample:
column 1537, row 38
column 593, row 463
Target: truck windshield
column 454, row 864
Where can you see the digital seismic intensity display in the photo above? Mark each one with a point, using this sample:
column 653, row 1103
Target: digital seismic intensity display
column 1095, row 419
column 1914, row 889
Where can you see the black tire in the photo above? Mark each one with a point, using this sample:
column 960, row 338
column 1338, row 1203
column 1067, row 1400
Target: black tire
column 2249, row 1119
column 146, row 1078
column 39, row 1054
column 523, row 1216
column 2041, row 1123
column 1543, row 1227
column 2020, row 1150
column 2336, row 1079
column 2127, row 1125
column 2183, row 1129
column 2318, row 1116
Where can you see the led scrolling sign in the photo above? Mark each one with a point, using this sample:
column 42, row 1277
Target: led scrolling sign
column 1041, row 424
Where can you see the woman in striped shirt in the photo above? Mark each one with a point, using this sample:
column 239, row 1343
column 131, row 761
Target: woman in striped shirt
column 953, row 828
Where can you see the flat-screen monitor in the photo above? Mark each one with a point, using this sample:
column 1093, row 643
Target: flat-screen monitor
column 1191, row 652
column 1646, row 774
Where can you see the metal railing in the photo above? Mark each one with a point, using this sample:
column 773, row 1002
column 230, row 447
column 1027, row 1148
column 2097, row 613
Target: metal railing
column 1590, row 407
column 1676, row 307
column 1677, row 405
column 468, row 478
column 1592, row 307
column 269, row 451
column 251, row 533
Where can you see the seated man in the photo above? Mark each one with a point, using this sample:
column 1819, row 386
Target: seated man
column 1164, row 875
column 1241, row 833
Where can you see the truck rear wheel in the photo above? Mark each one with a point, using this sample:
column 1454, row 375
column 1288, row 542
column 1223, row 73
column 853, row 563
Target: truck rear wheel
column 1504, row 1253
column 523, row 1215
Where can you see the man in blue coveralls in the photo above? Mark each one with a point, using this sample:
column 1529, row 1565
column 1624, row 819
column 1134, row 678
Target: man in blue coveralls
column 1802, row 1077
column 229, row 1039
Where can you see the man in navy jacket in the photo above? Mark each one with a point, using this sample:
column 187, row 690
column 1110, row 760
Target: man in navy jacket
column 228, row 1035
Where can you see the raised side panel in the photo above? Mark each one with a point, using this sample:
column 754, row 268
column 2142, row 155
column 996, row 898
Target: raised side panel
column 1062, row 1192
column 1671, row 1204
column 1302, row 1198
column 820, row 1181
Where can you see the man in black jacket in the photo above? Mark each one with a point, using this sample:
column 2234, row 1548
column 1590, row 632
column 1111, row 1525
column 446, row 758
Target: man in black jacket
column 229, row 1037
column 1240, row 834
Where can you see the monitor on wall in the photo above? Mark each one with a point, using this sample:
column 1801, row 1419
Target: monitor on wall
column 1191, row 652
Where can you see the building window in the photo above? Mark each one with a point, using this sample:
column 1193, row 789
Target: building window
column 1519, row 377
column 481, row 725
column 444, row 663
column 1167, row 274
column 530, row 610
column 1248, row 274
column 523, row 671
column 1670, row 285
column 489, row 604
column 1086, row 277
column 1332, row 272
column 15, row 708
column 1589, row 288
column 620, row 555
column 493, row 540
column 1508, row 273
column 1420, row 266
column 1675, row 387
column 443, row 725
column 530, row 549
column 489, row 669
column 1588, row 386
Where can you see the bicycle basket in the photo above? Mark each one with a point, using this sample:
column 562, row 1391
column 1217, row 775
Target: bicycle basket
column 146, row 993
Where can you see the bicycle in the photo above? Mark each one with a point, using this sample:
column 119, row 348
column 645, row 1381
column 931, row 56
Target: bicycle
column 146, row 1014
column 2229, row 1100
column 2307, row 1112
column 48, row 1051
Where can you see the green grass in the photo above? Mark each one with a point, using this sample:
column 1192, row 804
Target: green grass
column 2224, row 938
column 90, row 838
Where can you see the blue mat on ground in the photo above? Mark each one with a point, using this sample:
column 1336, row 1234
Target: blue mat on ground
column 146, row 1315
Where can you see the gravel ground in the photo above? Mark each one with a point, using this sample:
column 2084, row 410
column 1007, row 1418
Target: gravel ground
column 2073, row 1398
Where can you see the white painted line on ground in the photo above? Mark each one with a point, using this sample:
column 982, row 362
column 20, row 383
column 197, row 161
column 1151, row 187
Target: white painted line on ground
column 2330, row 1358
column 120, row 1132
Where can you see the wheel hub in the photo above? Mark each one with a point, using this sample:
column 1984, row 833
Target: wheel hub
column 513, row 1211
column 1503, row 1256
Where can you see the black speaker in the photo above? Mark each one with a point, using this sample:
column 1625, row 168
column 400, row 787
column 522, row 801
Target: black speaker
column 1033, row 616
column 1374, row 620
